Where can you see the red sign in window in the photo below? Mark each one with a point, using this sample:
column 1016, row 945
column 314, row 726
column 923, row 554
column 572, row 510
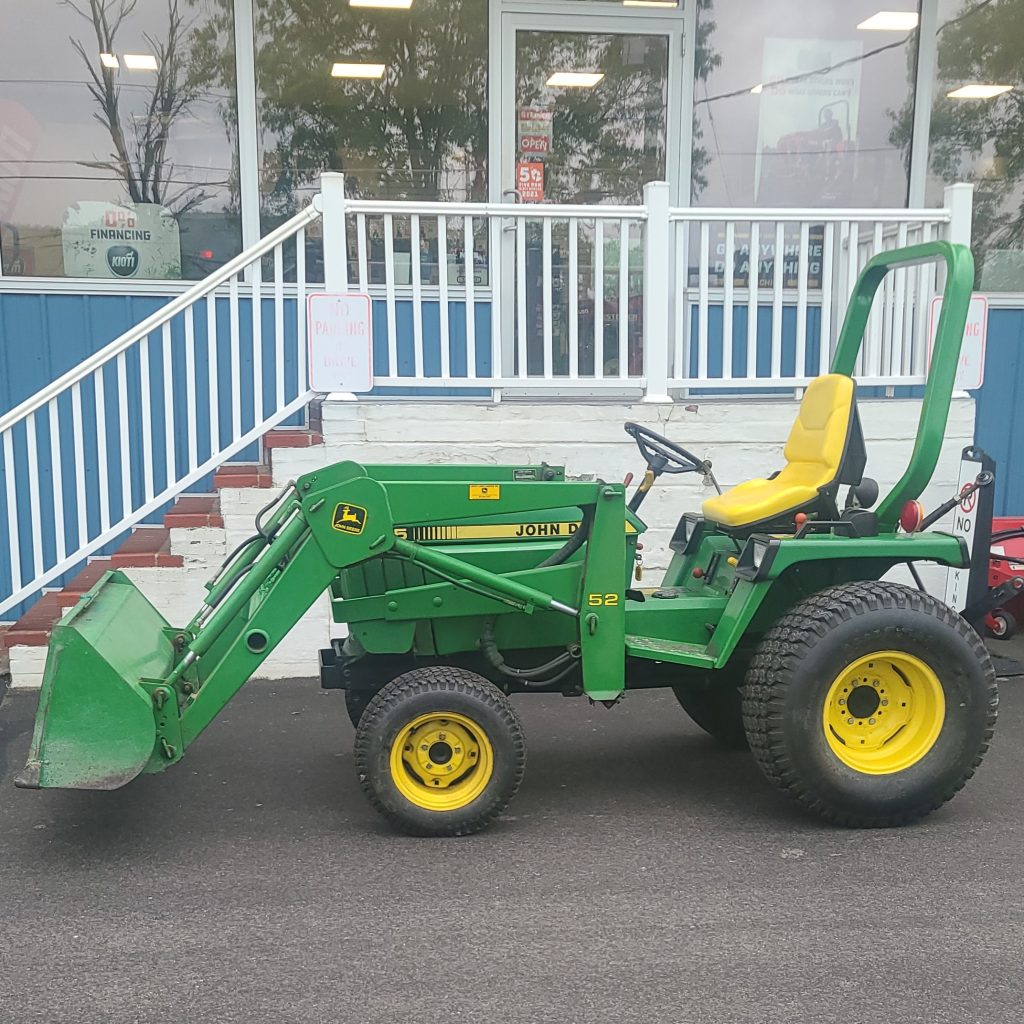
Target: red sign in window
column 530, row 181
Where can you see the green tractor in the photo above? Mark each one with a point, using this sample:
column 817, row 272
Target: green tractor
column 870, row 702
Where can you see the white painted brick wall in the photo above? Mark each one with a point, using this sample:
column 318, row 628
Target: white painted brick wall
column 743, row 438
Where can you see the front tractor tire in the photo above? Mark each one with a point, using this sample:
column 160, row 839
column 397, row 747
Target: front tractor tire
column 440, row 751
column 871, row 703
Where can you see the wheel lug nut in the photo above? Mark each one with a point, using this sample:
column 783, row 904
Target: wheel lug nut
column 429, row 765
column 458, row 750
column 448, row 767
column 442, row 735
column 871, row 721
column 849, row 721
column 885, row 703
column 423, row 746
column 841, row 701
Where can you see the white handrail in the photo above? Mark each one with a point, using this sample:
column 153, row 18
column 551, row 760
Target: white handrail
column 790, row 215
column 542, row 211
column 165, row 313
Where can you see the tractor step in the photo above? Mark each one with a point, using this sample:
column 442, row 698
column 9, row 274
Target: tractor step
column 668, row 650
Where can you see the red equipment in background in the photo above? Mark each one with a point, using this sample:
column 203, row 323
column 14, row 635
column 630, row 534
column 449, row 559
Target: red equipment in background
column 1006, row 569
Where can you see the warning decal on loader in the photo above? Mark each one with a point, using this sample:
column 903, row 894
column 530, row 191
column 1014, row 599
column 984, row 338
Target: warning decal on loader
column 349, row 518
column 484, row 492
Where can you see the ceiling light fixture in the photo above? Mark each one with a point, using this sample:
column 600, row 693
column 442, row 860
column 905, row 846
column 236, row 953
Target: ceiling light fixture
column 140, row 62
column 758, row 89
column 890, row 21
column 357, row 71
column 574, row 79
column 976, row 91
column 391, row 5
column 649, row 3
column 108, row 60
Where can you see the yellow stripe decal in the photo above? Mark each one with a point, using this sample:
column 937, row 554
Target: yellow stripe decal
column 495, row 531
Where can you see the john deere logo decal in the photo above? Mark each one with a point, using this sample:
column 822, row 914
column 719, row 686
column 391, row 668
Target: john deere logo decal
column 123, row 260
column 349, row 518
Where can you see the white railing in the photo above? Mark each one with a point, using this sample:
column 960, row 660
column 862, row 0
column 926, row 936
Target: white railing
column 493, row 295
column 646, row 299
column 742, row 271
column 157, row 409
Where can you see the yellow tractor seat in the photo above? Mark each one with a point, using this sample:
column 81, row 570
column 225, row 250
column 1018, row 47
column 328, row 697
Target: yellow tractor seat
column 825, row 449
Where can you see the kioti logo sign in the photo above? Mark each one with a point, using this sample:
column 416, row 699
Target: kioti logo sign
column 123, row 260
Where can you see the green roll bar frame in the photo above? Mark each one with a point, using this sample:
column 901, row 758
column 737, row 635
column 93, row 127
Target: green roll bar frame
column 938, row 389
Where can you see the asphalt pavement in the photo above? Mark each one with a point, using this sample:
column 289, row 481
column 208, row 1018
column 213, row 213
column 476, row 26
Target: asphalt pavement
column 642, row 874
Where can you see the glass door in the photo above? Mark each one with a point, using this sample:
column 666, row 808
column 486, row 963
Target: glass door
column 586, row 117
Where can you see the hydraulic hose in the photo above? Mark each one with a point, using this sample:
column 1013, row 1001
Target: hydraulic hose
column 565, row 662
column 573, row 544
column 539, row 673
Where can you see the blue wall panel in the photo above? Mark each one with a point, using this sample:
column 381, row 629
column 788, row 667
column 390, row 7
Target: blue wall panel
column 999, row 427
column 763, row 347
column 458, row 357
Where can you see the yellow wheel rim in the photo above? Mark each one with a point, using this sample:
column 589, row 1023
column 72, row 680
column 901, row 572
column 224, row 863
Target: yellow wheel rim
column 884, row 712
column 441, row 761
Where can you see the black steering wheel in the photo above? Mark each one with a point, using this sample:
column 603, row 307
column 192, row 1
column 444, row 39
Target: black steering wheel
column 663, row 455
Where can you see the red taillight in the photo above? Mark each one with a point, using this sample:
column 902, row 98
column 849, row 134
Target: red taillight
column 206, row 254
column 911, row 516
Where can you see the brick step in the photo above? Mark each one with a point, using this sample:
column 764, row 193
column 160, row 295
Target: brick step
column 293, row 439
column 193, row 510
column 250, row 474
column 33, row 628
column 146, row 546
column 240, row 474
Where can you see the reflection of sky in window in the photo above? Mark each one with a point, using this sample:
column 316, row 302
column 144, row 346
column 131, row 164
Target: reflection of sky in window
column 782, row 38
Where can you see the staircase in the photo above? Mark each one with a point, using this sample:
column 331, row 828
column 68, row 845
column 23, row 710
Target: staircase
column 107, row 448
column 170, row 562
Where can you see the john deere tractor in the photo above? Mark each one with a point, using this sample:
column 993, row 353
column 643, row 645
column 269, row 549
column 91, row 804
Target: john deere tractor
column 870, row 702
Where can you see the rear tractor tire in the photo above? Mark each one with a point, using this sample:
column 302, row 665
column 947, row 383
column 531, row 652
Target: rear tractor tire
column 715, row 703
column 440, row 752
column 356, row 702
column 871, row 703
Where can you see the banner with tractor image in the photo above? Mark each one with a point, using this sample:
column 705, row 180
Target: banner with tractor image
column 111, row 240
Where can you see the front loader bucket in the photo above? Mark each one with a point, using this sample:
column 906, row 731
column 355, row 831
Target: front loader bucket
column 94, row 726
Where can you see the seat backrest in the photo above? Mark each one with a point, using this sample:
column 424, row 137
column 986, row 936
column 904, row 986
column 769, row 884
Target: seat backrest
column 823, row 425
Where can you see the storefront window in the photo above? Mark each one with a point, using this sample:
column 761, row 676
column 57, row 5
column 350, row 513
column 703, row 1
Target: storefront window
column 795, row 103
column 395, row 98
column 118, row 152
column 977, row 129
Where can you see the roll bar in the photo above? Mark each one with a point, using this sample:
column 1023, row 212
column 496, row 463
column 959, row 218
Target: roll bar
column 938, row 390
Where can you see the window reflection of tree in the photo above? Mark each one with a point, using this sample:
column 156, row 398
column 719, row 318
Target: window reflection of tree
column 418, row 132
column 141, row 156
column 980, row 140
